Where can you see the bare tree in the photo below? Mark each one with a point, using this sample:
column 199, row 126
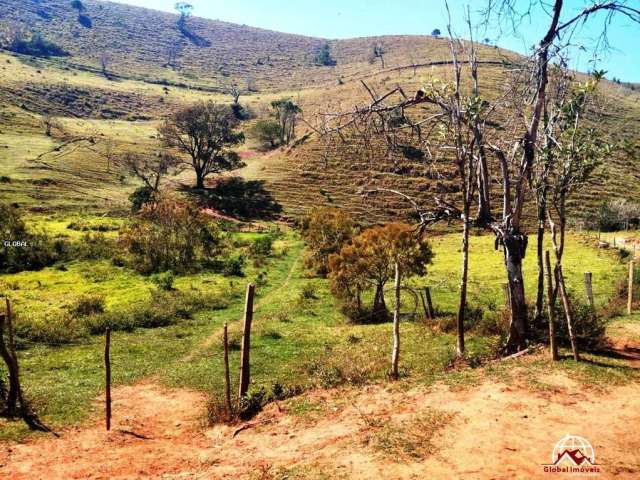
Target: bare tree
column 522, row 113
column 233, row 90
column 105, row 61
column 150, row 169
column 204, row 132
column 172, row 53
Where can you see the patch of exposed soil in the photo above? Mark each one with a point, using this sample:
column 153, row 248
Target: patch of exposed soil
column 498, row 431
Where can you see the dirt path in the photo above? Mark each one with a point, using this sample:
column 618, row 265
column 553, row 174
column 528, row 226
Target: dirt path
column 497, row 431
column 208, row 341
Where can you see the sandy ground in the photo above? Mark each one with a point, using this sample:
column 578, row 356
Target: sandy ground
column 498, row 431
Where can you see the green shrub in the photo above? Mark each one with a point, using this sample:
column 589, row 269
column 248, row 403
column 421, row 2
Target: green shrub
column 140, row 197
column 588, row 326
column 56, row 328
column 87, row 305
column 171, row 235
column 35, row 45
column 164, row 281
column 94, row 246
column 252, row 403
column 233, row 266
column 262, row 246
column 308, row 292
column 20, row 249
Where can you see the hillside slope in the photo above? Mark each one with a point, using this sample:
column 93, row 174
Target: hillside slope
column 137, row 42
column 121, row 113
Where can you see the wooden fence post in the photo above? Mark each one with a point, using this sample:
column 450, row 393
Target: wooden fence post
column 107, row 372
column 227, row 379
column 567, row 312
column 553, row 346
column 630, row 296
column 588, row 277
column 246, row 343
column 430, row 311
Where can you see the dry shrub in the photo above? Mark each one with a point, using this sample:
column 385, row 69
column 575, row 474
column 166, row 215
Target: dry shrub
column 410, row 439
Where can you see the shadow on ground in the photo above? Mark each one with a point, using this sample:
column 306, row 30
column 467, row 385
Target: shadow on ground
column 237, row 197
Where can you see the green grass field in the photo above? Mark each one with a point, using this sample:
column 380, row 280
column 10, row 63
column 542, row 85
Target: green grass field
column 297, row 342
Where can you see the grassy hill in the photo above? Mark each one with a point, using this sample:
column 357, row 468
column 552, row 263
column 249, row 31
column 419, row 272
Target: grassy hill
column 121, row 112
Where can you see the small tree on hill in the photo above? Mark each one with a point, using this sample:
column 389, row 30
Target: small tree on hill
column 436, row 32
column 369, row 261
column 185, row 10
column 286, row 113
column 325, row 230
column 378, row 52
column 171, row 235
column 150, row 169
column 105, row 60
column 204, row 132
column 323, row 56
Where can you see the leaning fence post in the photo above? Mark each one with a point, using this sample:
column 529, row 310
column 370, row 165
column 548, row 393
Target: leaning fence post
column 630, row 296
column 227, row 380
column 427, row 296
column 107, row 372
column 553, row 346
column 588, row 286
column 246, row 343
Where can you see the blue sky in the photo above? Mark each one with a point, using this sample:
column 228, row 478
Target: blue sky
column 358, row 18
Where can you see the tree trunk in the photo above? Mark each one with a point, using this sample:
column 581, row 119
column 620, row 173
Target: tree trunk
column 553, row 346
column 514, row 249
column 462, row 305
column 395, row 354
column 199, row 181
column 540, row 253
column 379, row 305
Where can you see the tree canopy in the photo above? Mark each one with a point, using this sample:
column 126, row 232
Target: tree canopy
column 204, row 133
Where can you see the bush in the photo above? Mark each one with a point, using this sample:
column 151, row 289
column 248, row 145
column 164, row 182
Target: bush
column 164, row 281
column 233, row 266
column 57, row 328
column 262, row 246
column 25, row 250
column 267, row 132
column 240, row 112
column 87, row 305
column 35, row 45
column 94, row 246
column 171, row 235
column 140, row 197
column 308, row 292
column 588, row 326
